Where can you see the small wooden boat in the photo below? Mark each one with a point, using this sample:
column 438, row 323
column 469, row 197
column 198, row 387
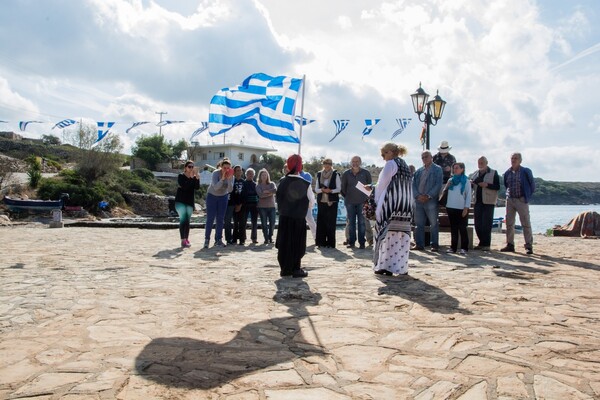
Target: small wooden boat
column 17, row 205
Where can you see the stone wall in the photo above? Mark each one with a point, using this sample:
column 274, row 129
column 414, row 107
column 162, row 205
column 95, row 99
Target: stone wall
column 148, row 205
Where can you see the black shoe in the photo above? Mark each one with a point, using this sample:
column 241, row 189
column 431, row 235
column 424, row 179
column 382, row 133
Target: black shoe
column 420, row 248
column 383, row 272
column 300, row 273
column 350, row 245
column 435, row 248
column 508, row 248
column 362, row 246
column 529, row 250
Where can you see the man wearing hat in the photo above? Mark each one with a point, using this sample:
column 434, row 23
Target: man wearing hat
column 444, row 159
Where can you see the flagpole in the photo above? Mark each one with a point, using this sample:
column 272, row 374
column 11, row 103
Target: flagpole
column 301, row 115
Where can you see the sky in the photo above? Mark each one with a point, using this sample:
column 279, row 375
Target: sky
column 517, row 75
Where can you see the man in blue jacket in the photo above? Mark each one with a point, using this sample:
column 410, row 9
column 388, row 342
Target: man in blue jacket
column 427, row 184
column 520, row 185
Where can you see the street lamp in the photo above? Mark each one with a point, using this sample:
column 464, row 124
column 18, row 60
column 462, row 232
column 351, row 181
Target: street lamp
column 431, row 114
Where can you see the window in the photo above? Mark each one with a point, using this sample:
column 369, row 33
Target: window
column 241, row 156
column 221, row 155
column 204, row 157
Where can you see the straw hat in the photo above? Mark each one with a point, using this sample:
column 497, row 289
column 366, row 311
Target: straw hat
column 444, row 147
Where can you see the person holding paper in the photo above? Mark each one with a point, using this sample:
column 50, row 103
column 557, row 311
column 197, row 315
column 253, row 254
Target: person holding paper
column 355, row 194
column 394, row 199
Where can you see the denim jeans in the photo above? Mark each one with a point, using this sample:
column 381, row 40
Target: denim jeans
column 185, row 215
column 267, row 214
column 423, row 212
column 215, row 210
column 354, row 213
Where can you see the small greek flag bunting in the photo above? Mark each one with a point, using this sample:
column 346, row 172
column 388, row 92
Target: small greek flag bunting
column 103, row 128
column 135, row 124
column 64, row 123
column 199, row 130
column 340, row 125
column 4, row 122
column 163, row 123
column 23, row 124
column 370, row 125
column 402, row 123
column 265, row 102
column 303, row 121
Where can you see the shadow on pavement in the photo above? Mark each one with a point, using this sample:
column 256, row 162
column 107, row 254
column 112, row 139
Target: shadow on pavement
column 190, row 363
column 418, row 291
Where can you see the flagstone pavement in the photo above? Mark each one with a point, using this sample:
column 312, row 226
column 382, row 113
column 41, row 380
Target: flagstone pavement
column 102, row 313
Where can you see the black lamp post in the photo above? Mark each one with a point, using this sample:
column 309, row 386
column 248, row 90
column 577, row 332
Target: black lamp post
column 432, row 111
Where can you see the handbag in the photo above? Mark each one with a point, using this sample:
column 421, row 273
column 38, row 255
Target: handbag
column 369, row 207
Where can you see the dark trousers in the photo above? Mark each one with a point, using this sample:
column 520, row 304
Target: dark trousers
column 228, row 226
column 252, row 211
column 458, row 223
column 239, row 227
column 484, row 219
column 326, row 224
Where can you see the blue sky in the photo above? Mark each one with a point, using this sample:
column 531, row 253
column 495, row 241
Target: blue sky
column 517, row 75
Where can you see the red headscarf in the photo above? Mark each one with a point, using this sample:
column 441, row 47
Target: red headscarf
column 294, row 163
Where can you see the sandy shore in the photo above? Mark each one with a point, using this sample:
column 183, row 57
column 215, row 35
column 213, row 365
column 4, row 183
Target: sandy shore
column 89, row 313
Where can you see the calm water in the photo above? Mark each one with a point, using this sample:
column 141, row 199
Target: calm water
column 545, row 217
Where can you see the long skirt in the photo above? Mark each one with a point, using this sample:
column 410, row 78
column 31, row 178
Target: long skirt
column 391, row 252
column 290, row 243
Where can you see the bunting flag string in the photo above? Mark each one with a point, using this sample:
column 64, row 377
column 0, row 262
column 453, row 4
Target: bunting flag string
column 23, row 124
column 103, row 128
column 303, row 121
column 163, row 123
column 5, row 122
column 64, row 123
column 370, row 125
column 402, row 123
column 340, row 125
column 136, row 124
column 199, row 130
column 265, row 102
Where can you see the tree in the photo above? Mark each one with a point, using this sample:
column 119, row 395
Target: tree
column 34, row 173
column 152, row 150
column 51, row 140
column 179, row 148
column 96, row 158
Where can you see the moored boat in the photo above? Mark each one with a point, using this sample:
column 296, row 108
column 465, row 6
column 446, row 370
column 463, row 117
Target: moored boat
column 17, row 205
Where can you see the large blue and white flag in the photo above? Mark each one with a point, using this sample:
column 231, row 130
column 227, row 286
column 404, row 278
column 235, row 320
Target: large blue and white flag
column 64, row 123
column 103, row 128
column 163, row 123
column 340, row 125
column 23, row 124
column 135, row 124
column 402, row 123
column 265, row 102
column 303, row 121
column 370, row 125
column 199, row 130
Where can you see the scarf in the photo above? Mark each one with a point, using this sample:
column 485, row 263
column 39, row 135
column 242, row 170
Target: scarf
column 325, row 176
column 456, row 180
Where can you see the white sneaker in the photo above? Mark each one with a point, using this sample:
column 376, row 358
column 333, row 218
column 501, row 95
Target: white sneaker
column 463, row 252
column 449, row 250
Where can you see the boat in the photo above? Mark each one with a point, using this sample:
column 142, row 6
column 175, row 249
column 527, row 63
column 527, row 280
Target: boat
column 18, row 205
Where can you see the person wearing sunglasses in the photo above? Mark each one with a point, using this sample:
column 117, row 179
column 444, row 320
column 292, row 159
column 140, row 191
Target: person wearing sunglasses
column 187, row 183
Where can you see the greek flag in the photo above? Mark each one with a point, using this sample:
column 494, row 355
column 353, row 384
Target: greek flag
column 303, row 121
column 340, row 125
column 136, row 124
column 370, row 125
column 199, row 130
column 103, row 128
column 23, row 124
column 64, row 123
column 265, row 102
column 163, row 123
column 402, row 123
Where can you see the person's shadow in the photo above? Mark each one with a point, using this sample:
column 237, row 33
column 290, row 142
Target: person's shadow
column 190, row 363
column 431, row 297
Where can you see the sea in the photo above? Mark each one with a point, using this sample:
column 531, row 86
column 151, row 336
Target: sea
column 544, row 217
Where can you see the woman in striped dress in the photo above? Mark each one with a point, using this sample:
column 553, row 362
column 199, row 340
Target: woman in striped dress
column 393, row 196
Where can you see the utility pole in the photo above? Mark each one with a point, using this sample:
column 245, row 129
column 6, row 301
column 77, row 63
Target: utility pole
column 159, row 123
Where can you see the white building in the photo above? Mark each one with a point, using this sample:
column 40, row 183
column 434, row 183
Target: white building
column 239, row 153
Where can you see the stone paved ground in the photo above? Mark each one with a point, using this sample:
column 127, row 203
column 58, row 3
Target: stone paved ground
column 90, row 313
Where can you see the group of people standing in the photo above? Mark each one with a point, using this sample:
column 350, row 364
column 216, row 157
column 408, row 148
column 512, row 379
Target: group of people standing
column 403, row 196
